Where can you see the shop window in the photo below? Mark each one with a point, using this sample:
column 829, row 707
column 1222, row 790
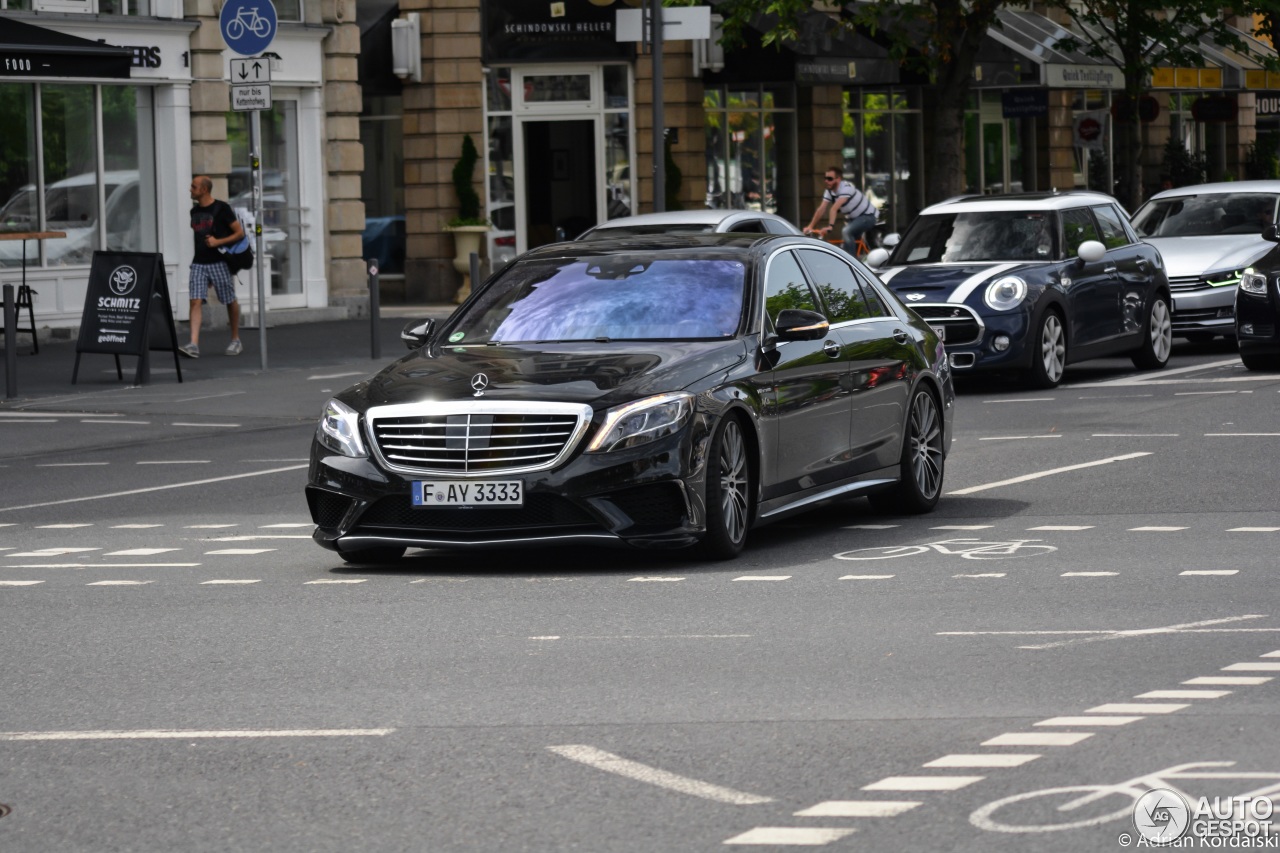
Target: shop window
column 750, row 158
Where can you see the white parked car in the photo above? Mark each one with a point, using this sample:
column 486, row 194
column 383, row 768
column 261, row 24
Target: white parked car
column 691, row 222
column 71, row 205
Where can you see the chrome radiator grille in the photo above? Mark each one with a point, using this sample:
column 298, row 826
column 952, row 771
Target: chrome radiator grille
column 480, row 441
column 1183, row 284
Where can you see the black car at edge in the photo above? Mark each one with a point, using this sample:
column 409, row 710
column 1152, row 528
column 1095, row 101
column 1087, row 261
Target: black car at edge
column 662, row 392
column 1258, row 309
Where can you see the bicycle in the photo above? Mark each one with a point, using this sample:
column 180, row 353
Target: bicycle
column 1131, row 790
column 860, row 247
column 972, row 549
column 256, row 24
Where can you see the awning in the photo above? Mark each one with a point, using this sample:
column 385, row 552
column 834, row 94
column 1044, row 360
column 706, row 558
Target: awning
column 28, row 51
column 1036, row 38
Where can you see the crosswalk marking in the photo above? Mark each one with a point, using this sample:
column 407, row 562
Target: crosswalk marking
column 1089, row 574
column 1253, row 667
column 923, row 783
column 1088, row 721
column 790, row 836
column 764, row 578
column 654, row 580
column 1183, row 694
column 1038, row 739
column 228, row 581
column 19, row 583
column 51, row 552
column 336, row 580
column 238, row 552
column 1211, row 572
column 1155, row 529
column 1063, row 527
column 995, row 759
column 858, row 808
column 119, row 583
column 140, row 552
column 1230, row 680
column 865, row 577
column 1136, row 708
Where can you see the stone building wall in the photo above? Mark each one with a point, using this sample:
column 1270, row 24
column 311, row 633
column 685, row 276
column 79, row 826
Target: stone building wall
column 344, row 154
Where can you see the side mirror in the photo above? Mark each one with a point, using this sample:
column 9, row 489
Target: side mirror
column 1091, row 251
column 417, row 333
column 876, row 258
column 891, row 240
column 1270, row 233
column 797, row 324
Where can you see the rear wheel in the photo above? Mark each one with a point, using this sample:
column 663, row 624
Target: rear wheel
column 921, row 468
column 730, row 493
column 387, row 554
column 1157, row 337
column 1049, row 360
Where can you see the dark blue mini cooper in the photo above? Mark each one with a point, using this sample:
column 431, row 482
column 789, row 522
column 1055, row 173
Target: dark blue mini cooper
column 1032, row 283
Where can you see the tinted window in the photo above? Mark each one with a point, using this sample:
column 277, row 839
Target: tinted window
column 1113, row 234
column 875, row 300
column 785, row 287
column 1077, row 226
column 613, row 297
column 837, row 285
column 1206, row 215
column 987, row 235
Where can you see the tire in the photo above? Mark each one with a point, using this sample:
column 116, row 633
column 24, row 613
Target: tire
column 1260, row 361
column 1157, row 337
column 1049, row 356
column 922, row 465
column 730, row 493
column 388, row 554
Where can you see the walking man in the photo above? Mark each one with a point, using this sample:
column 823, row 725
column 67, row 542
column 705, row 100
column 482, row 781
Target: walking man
column 842, row 198
column 214, row 224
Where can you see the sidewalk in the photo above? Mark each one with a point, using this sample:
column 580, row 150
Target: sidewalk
column 290, row 348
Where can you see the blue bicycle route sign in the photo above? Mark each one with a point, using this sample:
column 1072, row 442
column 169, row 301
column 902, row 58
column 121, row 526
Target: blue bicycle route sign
column 248, row 26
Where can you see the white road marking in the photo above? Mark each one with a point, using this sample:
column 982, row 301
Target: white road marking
column 155, row 488
column 858, row 808
column 922, row 783
column 994, row 759
column 104, row 566
column 337, row 580
column 1062, row 527
column 1133, row 380
column 1038, row 739
column 286, row 524
column 21, row 415
column 983, row 575
column 1210, row 572
column 51, row 552
column 335, row 375
column 1201, row 393
column 865, row 577
column 1075, row 722
column 118, row 583
column 1241, row 434
column 610, row 763
column 1183, row 694
column 173, row 462
column 1252, row 667
column 548, row 637
column 1275, row 654
column 963, row 527
column 654, row 580
column 1136, row 708
column 764, row 578
column 1015, row 437
column 1230, row 680
column 32, row 421
column 61, row 526
column 1253, row 529
column 242, row 552
column 140, row 552
column 790, row 836
column 19, row 583
column 1026, row 477
column 870, row 526
column 1134, row 435
column 1155, row 529
column 71, row 464
column 1140, row 632
column 209, row 526
column 256, row 538
column 1089, row 574
column 96, row 421
column 207, row 583
column 166, row 734
column 1023, row 400
column 190, row 424
column 134, row 526
column 209, row 396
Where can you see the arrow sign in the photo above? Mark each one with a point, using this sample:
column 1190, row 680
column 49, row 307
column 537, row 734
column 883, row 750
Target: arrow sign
column 245, row 71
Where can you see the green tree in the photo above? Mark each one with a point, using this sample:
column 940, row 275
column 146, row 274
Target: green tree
column 937, row 39
column 1138, row 36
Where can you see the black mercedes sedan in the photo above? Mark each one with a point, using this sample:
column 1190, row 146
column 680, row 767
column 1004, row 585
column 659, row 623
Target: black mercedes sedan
column 662, row 392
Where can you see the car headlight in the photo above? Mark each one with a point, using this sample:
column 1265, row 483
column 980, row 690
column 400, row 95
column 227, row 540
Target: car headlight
column 641, row 422
column 1005, row 293
column 339, row 429
column 1228, row 278
column 1254, row 282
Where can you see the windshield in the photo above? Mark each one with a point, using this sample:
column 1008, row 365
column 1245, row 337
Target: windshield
column 610, row 298
column 1206, row 215
column 987, row 235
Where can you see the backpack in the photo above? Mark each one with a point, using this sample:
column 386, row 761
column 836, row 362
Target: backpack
column 239, row 256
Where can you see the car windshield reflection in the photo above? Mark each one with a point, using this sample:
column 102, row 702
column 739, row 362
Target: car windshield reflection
column 980, row 236
column 1206, row 215
column 621, row 297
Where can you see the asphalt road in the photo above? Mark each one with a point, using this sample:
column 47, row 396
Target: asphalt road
column 1095, row 600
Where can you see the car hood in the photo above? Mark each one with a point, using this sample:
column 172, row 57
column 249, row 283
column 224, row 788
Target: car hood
column 1191, row 256
column 592, row 373
column 946, row 282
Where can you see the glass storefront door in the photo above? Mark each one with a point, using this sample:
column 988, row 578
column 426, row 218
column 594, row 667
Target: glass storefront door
column 559, row 180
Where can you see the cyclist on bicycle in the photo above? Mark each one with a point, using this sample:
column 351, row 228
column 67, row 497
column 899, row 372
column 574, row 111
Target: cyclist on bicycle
column 842, row 198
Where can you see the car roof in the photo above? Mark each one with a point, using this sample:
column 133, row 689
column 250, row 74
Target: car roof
column 701, row 216
column 717, row 245
column 1019, row 202
column 1233, row 187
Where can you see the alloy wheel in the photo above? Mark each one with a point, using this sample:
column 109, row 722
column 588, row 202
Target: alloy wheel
column 926, row 445
column 1161, row 330
column 1053, row 348
column 734, row 479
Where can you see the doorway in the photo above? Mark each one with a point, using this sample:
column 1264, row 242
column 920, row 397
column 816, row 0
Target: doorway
column 560, row 187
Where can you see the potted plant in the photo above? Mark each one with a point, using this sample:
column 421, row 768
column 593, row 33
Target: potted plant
column 468, row 227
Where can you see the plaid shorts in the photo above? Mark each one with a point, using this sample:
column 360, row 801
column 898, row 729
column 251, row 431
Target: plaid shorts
column 216, row 275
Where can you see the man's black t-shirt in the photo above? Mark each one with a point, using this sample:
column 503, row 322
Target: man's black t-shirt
column 216, row 219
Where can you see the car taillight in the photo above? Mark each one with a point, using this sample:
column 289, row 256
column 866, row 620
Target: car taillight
column 504, row 241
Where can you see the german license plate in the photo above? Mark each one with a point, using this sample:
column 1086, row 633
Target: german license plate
column 455, row 493
column 941, row 330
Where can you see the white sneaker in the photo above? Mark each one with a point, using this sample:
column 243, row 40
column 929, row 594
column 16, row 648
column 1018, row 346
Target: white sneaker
column 190, row 351
column 234, row 348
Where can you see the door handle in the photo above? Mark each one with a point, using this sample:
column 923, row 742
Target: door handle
column 1142, row 263
column 832, row 349
column 1109, row 270
column 900, row 336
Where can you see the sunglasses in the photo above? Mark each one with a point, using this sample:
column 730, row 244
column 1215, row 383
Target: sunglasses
column 829, row 179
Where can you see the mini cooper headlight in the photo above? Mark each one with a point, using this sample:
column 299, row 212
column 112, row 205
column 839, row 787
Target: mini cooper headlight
column 1254, row 282
column 642, row 421
column 339, row 429
column 1005, row 293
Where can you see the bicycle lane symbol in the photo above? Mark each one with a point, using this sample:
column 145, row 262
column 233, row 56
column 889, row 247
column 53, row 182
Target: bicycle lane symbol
column 248, row 26
column 1094, row 805
column 969, row 549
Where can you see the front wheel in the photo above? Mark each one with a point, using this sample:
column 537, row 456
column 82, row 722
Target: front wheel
column 730, row 493
column 1157, row 337
column 1049, row 361
column 921, row 466
column 1260, row 361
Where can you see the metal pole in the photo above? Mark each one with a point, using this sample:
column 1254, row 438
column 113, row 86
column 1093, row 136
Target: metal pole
column 375, row 345
column 659, row 119
column 255, row 163
column 474, row 263
column 10, row 336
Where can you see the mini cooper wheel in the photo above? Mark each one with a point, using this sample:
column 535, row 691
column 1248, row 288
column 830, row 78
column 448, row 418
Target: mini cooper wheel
column 385, row 554
column 921, row 467
column 1049, row 355
column 1157, row 337
column 730, row 493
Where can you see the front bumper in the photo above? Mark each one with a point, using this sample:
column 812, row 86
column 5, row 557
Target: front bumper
column 1257, row 325
column 649, row 496
column 970, row 336
column 1204, row 309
